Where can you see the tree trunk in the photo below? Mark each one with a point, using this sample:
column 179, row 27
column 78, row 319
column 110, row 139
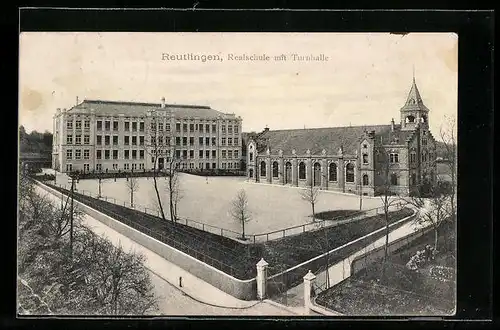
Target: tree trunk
column 243, row 227
column 171, row 195
column 314, row 213
column 132, row 197
column 436, row 238
column 158, row 195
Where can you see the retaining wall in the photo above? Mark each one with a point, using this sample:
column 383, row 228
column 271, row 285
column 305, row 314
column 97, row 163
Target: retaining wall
column 241, row 289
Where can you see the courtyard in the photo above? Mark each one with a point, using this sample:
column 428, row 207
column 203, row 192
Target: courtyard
column 209, row 200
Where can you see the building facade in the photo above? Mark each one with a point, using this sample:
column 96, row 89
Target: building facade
column 355, row 159
column 112, row 136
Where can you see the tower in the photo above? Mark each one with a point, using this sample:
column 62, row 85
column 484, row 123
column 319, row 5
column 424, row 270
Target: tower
column 414, row 113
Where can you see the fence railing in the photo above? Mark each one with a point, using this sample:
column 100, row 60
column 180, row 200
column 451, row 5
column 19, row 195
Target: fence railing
column 252, row 238
column 228, row 269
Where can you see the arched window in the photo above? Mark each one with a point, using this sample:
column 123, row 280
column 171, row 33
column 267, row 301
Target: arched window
column 263, row 169
column 332, row 172
column 251, row 156
column 302, row 171
column 275, row 169
column 349, row 173
column 317, row 174
column 365, row 180
column 394, row 179
column 365, row 159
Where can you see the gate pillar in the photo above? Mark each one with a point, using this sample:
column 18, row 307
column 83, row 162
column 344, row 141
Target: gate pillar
column 308, row 282
column 261, row 278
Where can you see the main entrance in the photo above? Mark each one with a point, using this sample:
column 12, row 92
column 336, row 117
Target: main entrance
column 288, row 172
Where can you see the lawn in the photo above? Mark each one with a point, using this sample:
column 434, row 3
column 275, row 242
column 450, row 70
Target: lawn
column 209, row 201
column 400, row 291
column 236, row 258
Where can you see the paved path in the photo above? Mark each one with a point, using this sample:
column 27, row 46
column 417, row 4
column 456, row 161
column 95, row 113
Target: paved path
column 196, row 296
column 342, row 269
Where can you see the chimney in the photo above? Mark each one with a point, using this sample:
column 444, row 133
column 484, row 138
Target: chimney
column 266, row 129
column 392, row 124
column 77, row 100
column 163, row 102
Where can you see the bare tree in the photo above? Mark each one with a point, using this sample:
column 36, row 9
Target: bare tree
column 132, row 185
column 449, row 141
column 173, row 189
column 386, row 194
column 240, row 211
column 310, row 195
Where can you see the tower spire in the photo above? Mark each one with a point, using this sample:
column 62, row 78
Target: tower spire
column 413, row 73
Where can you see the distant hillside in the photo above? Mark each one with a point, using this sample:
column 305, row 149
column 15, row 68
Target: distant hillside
column 35, row 142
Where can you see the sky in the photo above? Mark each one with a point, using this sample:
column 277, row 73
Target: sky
column 365, row 80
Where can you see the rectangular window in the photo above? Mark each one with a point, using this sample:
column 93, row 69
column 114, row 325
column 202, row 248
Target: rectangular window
column 184, row 154
column 177, row 141
column 167, row 140
column 184, row 141
column 200, row 127
column 214, row 154
column 107, row 125
column 223, row 129
column 229, row 154
column 115, row 154
column 365, row 159
column 126, row 154
column 214, row 165
column 207, row 154
column 98, row 167
column 69, row 154
column 69, row 168
column 126, row 166
column 214, row 128
column 86, row 125
column 184, row 127
column 200, row 154
column 127, row 126
column 115, row 126
column 78, row 124
column 115, row 140
column 160, row 127
column 141, row 154
column 69, row 124
column 126, row 140
column 86, row 139
column 106, row 140
column 229, row 165
column 86, row 154
column 134, row 166
column 207, row 128
column 141, row 166
column 235, row 129
column 141, row 140
column 394, row 158
column 178, row 154
column 134, row 126
column 78, row 139
column 98, row 154
column 153, row 141
column 200, row 141
column 69, row 139
column 191, row 153
column 134, row 140
column 99, row 125
column 178, row 127
column 191, row 127
column 115, row 167
column 236, row 154
column 236, row 142
column 229, row 141
column 134, row 154
column 224, row 154
column 106, row 154
column 86, row 167
column 207, row 141
column 223, row 166
column 153, row 127
column 167, row 127
column 223, row 141
column 213, row 141
column 191, row 141
column 207, row 166
column 230, row 129
column 141, row 126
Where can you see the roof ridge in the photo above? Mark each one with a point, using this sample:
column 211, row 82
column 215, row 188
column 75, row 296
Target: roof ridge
column 329, row 127
column 147, row 104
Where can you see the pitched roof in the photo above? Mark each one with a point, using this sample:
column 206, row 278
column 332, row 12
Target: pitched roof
column 140, row 109
column 397, row 136
column 315, row 139
column 414, row 100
